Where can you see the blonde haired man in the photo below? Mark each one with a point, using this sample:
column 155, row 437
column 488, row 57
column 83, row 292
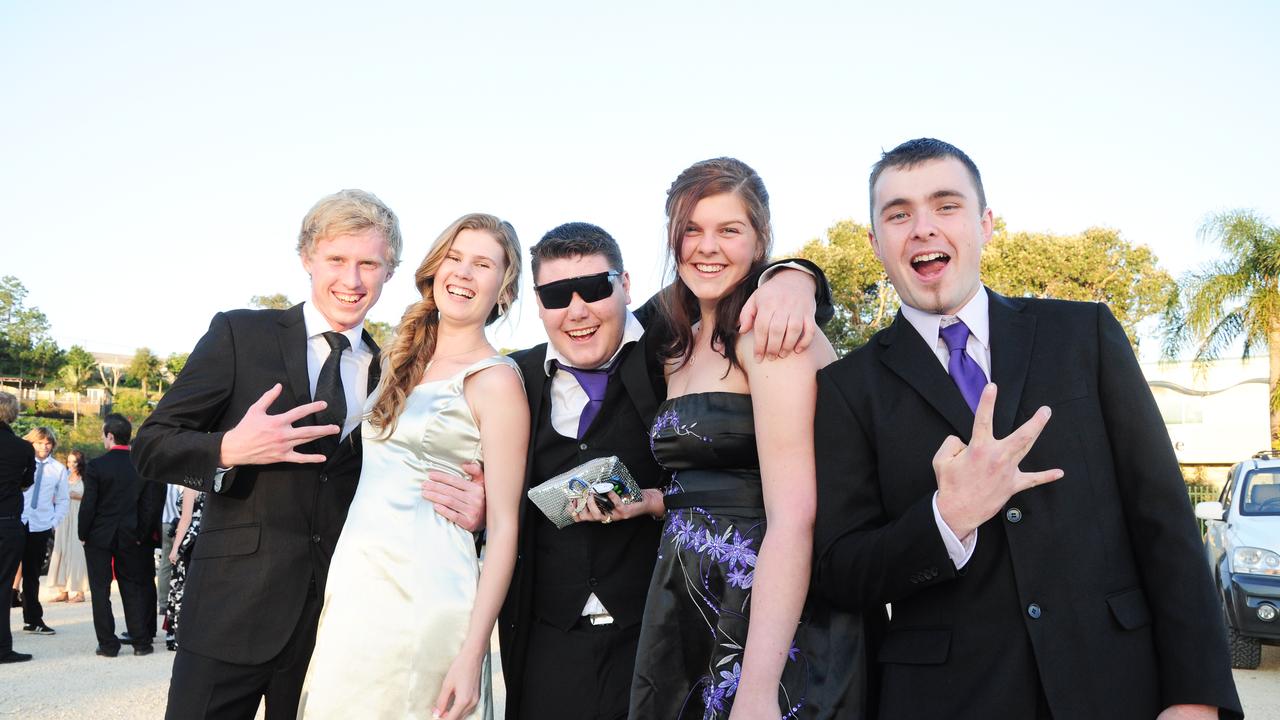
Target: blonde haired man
column 261, row 419
column 43, row 506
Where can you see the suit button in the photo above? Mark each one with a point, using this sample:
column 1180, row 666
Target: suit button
column 1034, row 611
column 324, row 478
column 1013, row 515
column 593, row 582
column 315, row 539
column 582, row 446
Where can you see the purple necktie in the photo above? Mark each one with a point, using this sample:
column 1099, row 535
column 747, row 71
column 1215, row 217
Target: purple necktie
column 966, row 373
column 594, row 383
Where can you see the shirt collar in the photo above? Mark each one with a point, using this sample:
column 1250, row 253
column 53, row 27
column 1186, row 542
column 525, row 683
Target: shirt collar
column 632, row 331
column 317, row 325
column 974, row 314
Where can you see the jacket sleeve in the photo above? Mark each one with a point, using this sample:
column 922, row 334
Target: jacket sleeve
column 88, row 503
column 648, row 313
column 1190, row 637
column 863, row 559
column 61, row 498
column 179, row 442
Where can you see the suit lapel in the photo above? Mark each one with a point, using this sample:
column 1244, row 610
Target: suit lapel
column 635, row 378
column 293, row 348
column 1012, row 336
column 909, row 357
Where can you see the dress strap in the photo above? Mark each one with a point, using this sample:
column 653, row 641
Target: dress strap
column 487, row 363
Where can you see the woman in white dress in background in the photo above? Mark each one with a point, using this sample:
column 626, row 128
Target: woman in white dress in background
column 68, row 573
column 407, row 615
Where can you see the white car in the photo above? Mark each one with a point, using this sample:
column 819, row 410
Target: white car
column 1242, row 539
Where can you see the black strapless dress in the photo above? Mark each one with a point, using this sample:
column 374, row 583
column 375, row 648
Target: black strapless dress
column 699, row 603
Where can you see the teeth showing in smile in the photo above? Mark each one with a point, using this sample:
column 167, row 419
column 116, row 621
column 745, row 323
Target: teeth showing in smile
column 347, row 298
column 582, row 333
column 708, row 267
column 459, row 292
column 926, row 257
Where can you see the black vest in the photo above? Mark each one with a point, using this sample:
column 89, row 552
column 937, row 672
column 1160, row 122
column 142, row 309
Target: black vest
column 614, row 561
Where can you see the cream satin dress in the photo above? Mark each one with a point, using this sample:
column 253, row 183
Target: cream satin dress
column 403, row 579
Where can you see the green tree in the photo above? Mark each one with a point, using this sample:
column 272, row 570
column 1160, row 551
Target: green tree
column 145, row 368
column 1236, row 298
column 381, row 332
column 25, row 345
column 1096, row 265
column 864, row 300
column 271, row 302
column 76, row 374
column 174, row 363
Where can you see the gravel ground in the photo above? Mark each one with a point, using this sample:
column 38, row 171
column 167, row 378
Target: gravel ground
column 66, row 681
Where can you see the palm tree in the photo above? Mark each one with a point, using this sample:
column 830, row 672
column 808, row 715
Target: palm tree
column 1236, row 298
column 75, row 379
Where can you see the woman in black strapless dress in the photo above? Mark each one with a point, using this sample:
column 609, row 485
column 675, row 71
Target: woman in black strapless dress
column 728, row 630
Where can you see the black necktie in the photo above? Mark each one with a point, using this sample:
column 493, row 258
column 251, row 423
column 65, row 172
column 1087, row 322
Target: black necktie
column 329, row 389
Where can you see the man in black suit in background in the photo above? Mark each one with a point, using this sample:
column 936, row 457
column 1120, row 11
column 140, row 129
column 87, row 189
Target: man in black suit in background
column 277, row 494
column 17, row 473
column 120, row 520
column 1076, row 589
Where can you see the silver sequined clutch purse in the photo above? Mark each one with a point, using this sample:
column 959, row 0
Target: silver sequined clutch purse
column 592, row 478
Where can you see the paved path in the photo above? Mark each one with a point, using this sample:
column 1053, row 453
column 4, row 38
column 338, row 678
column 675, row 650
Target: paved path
column 66, row 681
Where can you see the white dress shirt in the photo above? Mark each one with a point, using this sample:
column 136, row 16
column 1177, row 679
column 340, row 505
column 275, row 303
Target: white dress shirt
column 54, row 498
column 567, row 396
column 568, row 400
column 354, row 367
column 975, row 315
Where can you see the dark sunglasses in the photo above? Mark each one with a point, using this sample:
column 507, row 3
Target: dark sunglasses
column 558, row 294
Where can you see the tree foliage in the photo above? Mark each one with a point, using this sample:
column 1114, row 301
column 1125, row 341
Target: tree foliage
column 145, row 368
column 864, row 300
column 381, row 332
column 174, row 363
column 1236, row 298
column 271, row 302
column 1095, row 265
column 26, row 349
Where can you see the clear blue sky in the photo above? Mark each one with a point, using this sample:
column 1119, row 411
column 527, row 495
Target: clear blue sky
column 158, row 157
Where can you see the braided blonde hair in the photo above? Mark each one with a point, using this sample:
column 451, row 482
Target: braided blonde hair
column 405, row 362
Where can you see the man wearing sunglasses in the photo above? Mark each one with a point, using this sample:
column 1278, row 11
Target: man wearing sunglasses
column 572, row 618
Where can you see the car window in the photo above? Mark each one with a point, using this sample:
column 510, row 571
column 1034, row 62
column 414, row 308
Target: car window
column 1228, row 485
column 1260, row 492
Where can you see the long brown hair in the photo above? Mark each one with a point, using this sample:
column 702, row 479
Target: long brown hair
column 405, row 362
column 677, row 304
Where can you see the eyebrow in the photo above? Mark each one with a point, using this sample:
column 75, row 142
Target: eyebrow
column 937, row 195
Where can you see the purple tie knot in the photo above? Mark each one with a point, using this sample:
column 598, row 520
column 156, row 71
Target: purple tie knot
column 956, row 336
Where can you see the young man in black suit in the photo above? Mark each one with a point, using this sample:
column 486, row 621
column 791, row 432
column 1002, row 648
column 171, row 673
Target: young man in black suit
column 277, row 494
column 17, row 473
column 571, row 621
column 120, row 521
column 1074, row 589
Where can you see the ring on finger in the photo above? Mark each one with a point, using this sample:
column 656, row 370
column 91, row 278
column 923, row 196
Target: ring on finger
column 607, row 519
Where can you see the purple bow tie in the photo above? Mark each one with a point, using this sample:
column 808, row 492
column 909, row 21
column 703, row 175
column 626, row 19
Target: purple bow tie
column 966, row 373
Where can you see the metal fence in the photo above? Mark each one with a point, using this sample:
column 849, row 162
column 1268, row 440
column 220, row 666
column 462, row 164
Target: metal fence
column 1201, row 492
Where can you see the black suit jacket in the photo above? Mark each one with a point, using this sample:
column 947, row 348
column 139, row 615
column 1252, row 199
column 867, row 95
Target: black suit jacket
column 17, row 471
column 272, row 530
column 1093, row 587
column 119, row 509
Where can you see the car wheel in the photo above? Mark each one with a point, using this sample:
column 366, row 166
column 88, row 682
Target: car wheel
column 1246, row 652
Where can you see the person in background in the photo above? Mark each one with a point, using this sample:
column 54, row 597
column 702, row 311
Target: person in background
column 43, row 507
column 120, row 527
column 17, row 473
column 68, row 573
column 180, row 557
column 168, row 539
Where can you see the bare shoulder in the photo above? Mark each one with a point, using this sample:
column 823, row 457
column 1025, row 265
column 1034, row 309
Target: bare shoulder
column 818, row 355
column 499, row 379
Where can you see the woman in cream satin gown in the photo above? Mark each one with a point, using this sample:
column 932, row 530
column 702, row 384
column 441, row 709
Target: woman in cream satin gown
column 407, row 613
